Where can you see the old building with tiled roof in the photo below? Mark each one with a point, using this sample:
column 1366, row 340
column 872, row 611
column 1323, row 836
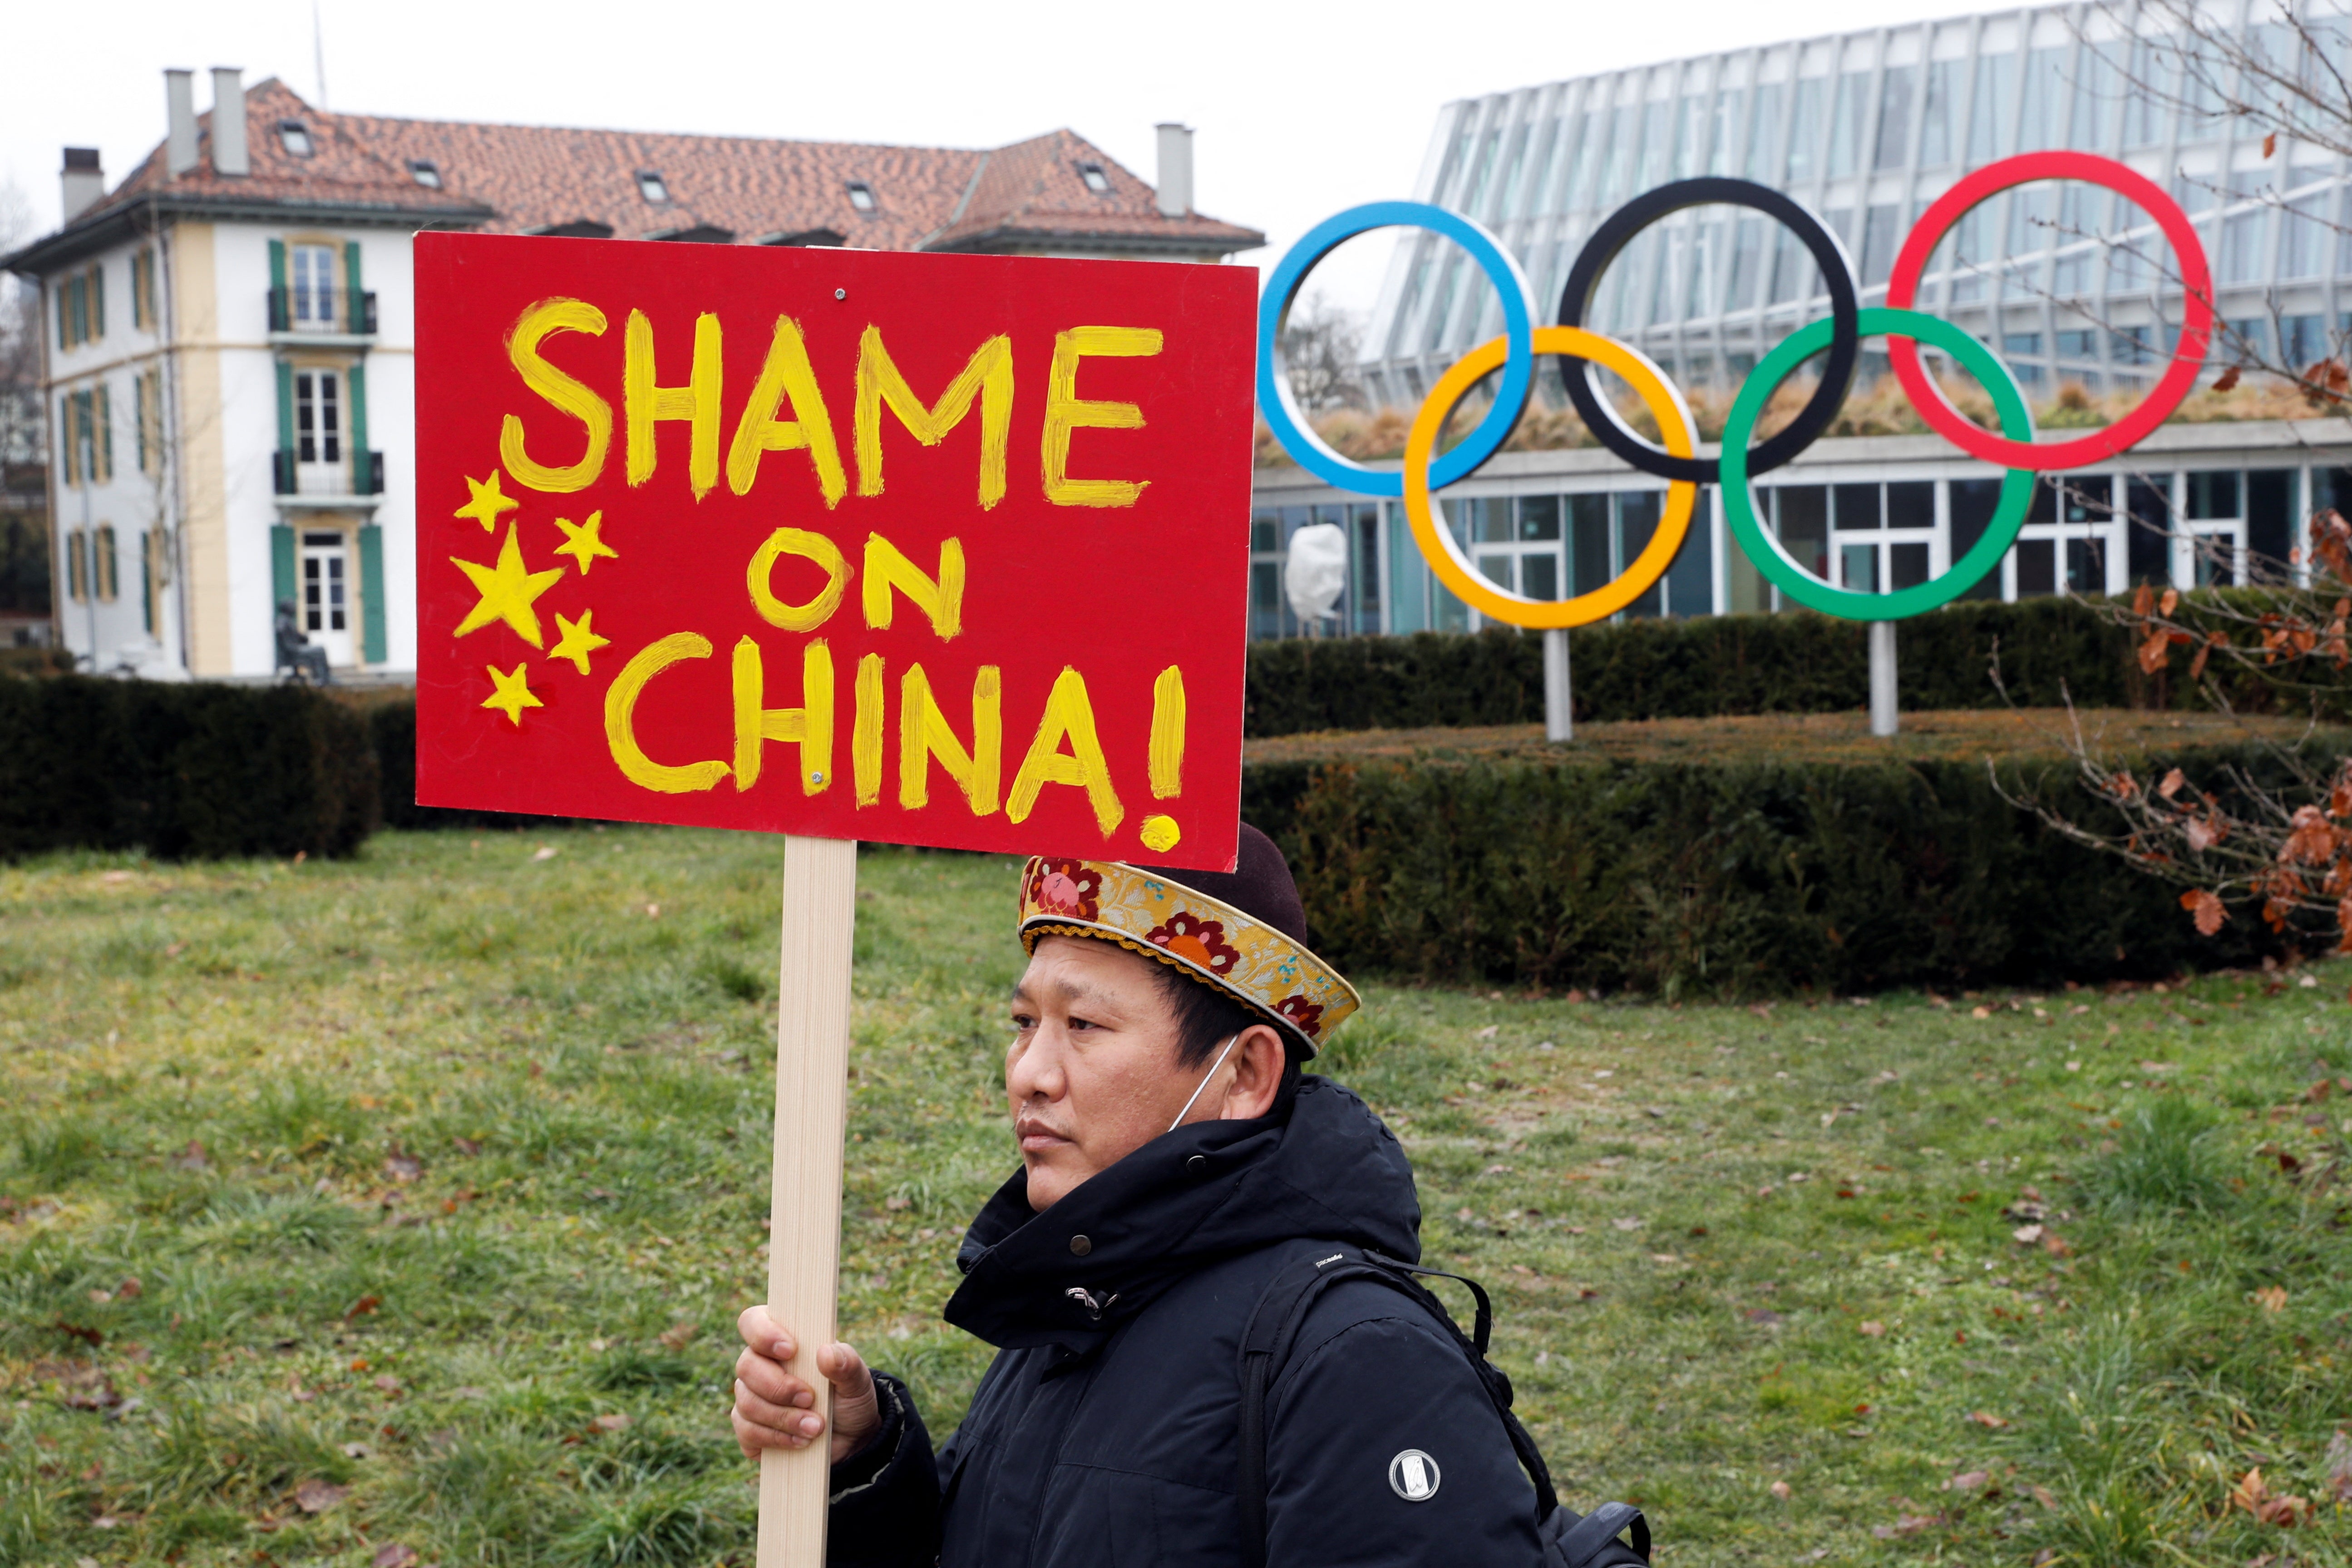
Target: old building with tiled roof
column 230, row 333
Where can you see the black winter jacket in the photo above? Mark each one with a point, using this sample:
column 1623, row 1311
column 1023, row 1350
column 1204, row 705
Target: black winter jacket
column 1103, row 1436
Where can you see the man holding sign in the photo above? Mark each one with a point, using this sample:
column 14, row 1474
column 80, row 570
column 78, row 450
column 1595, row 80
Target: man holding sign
column 953, row 551
column 1176, row 1164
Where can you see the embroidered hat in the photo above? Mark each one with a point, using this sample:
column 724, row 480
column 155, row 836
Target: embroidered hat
column 1243, row 932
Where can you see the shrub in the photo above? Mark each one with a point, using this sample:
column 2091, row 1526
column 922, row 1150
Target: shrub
column 1729, row 878
column 182, row 771
column 2049, row 648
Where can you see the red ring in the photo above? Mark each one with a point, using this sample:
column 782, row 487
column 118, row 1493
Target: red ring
column 2187, row 358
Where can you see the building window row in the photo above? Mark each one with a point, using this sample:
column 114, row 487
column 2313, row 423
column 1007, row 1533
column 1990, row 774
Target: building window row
column 2084, row 533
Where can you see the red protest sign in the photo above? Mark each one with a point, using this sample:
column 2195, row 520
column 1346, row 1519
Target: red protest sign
column 933, row 550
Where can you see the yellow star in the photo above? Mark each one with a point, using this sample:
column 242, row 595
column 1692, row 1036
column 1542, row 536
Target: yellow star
column 507, row 592
column 513, row 693
column 582, row 543
column 484, row 501
column 575, row 641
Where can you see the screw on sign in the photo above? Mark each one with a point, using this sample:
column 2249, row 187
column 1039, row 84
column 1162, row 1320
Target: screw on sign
column 1679, row 460
column 839, row 545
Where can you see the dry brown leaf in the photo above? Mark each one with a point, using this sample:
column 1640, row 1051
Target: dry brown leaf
column 2270, row 144
column 1873, row 1329
column 394, row 1555
column 2272, row 1299
column 678, row 1335
column 2209, row 911
column 1967, row 1482
column 2226, row 380
column 317, row 1496
column 1780, row 1490
column 1987, row 1419
column 2172, row 784
column 2170, row 603
column 614, row 1421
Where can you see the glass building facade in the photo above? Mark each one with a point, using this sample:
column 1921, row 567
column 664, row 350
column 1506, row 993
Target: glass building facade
column 1867, row 129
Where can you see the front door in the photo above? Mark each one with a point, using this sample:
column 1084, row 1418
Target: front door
column 326, row 607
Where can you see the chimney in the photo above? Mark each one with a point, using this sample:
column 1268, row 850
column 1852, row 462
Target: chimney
column 180, row 122
column 229, row 153
column 1175, row 170
column 82, row 182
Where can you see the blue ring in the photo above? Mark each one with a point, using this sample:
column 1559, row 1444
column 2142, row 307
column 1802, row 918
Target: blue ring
column 1273, row 398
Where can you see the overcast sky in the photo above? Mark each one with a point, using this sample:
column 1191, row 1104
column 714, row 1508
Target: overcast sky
column 1301, row 109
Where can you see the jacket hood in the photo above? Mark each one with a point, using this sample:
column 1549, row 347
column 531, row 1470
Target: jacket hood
column 1327, row 1170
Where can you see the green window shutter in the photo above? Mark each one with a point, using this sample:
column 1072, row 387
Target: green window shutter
column 63, row 290
column 147, row 578
column 285, row 406
column 79, row 289
column 371, row 594
column 85, row 440
column 355, row 409
column 281, row 311
column 281, row 565
column 278, row 264
column 77, row 579
column 105, row 433
column 352, row 267
column 98, row 299
column 139, row 420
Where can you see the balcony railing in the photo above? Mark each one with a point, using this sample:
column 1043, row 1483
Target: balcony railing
column 339, row 313
column 285, row 475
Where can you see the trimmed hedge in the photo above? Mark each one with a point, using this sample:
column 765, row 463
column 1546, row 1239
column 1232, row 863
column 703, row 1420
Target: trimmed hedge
column 1725, row 879
column 183, row 772
column 1709, row 666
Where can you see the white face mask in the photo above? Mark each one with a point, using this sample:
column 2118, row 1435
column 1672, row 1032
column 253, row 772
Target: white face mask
column 1203, row 1084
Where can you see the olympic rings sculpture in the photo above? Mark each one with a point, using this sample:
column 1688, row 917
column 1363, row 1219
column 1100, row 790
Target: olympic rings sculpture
column 1679, row 460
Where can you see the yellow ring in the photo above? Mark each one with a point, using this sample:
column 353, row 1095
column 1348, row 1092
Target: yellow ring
column 1445, row 556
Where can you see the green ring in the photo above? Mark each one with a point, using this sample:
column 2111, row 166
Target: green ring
column 1739, row 507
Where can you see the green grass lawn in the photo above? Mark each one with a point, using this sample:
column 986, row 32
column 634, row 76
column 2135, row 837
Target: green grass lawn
column 349, row 1211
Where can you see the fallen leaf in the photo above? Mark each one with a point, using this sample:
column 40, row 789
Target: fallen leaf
column 403, row 1167
column 614, row 1421
column 466, row 1146
column 393, row 1555
column 544, row 852
column 2043, row 1496
column 1905, row 1524
column 2026, row 1234
column 363, row 1306
column 317, row 1496
column 1489, row 1032
column 1967, row 1482
column 193, row 1157
column 1987, row 1419
column 680, row 1334
column 1764, row 1315
column 2339, row 1468
column 386, row 1383
column 2272, row 1299
column 1627, row 1224
column 1873, row 1328
column 129, row 1290
column 1981, row 1010
column 2172, row 784
column 355, row 1450
column 1780, row 1490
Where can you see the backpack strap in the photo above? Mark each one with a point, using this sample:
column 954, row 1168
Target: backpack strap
column 1274, row 1329
column 1590, row 1540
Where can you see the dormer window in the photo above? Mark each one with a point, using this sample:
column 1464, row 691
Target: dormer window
column 425, row 173
column 294, row 137
column 861, row 196
column 650, row 186
column 1096, row 181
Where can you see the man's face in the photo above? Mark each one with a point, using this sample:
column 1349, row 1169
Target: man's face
column 1091, row 1073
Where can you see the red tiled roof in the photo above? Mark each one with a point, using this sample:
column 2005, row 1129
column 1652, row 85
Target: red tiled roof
column 532, row 179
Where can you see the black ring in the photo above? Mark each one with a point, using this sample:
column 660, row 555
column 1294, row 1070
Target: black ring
column 1845, row 339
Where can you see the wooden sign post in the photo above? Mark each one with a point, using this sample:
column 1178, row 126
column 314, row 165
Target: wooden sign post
column 933, row 550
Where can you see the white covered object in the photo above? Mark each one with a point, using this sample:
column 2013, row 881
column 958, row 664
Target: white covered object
column 1316, row 573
